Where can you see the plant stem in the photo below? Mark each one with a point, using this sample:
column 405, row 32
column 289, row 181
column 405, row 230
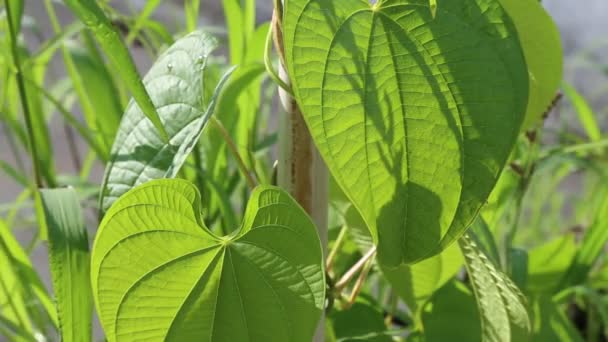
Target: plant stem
column 332, row 255
column 235, row 152
column 359, row 283
column 350, row 274
column 23, row 97
column 301, row 170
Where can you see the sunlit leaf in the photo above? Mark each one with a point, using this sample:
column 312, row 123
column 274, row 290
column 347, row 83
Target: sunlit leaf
column 89, row 12
column 415, row 116
column 159, row 274
column 176, row 84
column 70, row 263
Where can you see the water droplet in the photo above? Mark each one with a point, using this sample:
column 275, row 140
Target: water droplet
column 200, row 59
column 169, row 66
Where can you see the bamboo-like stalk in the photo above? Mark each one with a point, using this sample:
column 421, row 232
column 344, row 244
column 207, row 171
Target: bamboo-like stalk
column 301, row 170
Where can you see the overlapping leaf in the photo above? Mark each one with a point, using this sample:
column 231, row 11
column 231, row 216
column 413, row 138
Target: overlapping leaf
column 175, row 83
column 159, row 274
column 414, row 115
column 543, row 51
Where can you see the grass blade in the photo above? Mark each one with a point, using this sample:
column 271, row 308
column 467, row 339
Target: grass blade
column 91, row 14
column 70, row 263
column 584, row 112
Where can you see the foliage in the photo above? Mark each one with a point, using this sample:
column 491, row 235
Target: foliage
column 452, row 159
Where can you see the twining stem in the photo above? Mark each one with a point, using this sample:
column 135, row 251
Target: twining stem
column 350, row 274
column 23, row 98
column 235, row 152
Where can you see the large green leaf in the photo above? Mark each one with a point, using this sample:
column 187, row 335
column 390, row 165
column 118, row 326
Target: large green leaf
column 415, row 116
column 175, row 82
column 159, row 274
column 502, row 307
column 70, row 263
column 543, row 51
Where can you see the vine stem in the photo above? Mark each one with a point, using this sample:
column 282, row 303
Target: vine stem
column 23, row 97
column 235, row 152
column 301, row 169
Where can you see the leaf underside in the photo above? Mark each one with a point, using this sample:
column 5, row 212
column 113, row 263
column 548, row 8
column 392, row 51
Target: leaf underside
column 158, row 274
column 415, row 116
column 175, row 83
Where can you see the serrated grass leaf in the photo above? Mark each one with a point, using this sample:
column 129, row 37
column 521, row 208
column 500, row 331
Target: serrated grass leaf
column 70, row 263
column 502, row 307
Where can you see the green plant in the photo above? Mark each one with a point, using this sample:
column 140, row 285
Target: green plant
column 429, row 116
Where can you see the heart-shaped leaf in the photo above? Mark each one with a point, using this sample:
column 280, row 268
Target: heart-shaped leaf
column 159, row 274
column 415, row 116
column 175, row 83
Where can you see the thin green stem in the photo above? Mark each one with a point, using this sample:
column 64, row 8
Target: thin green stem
column 274, row 75
column 23, row 98
column 235, row 152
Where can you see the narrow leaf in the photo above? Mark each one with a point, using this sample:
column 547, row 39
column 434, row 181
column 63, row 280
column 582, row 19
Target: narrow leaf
column 91, row 14
column 584, row 112
column 590, row 250
column 70, row 263
column 502, row 307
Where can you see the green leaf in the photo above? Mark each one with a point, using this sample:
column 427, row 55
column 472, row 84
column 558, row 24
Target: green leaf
column 415, row 116
column 159, row 274
column 501, row 305
column 548, row 263
column 361, row 322
column 89, row 12
column 542, row 47
column 590, row 250
column 70, row 263
column 584, row 112
column 550, row 322
column 95, row 88
column 176, row 83
column 451, row 315
column 416, row 284
column 18, row 274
